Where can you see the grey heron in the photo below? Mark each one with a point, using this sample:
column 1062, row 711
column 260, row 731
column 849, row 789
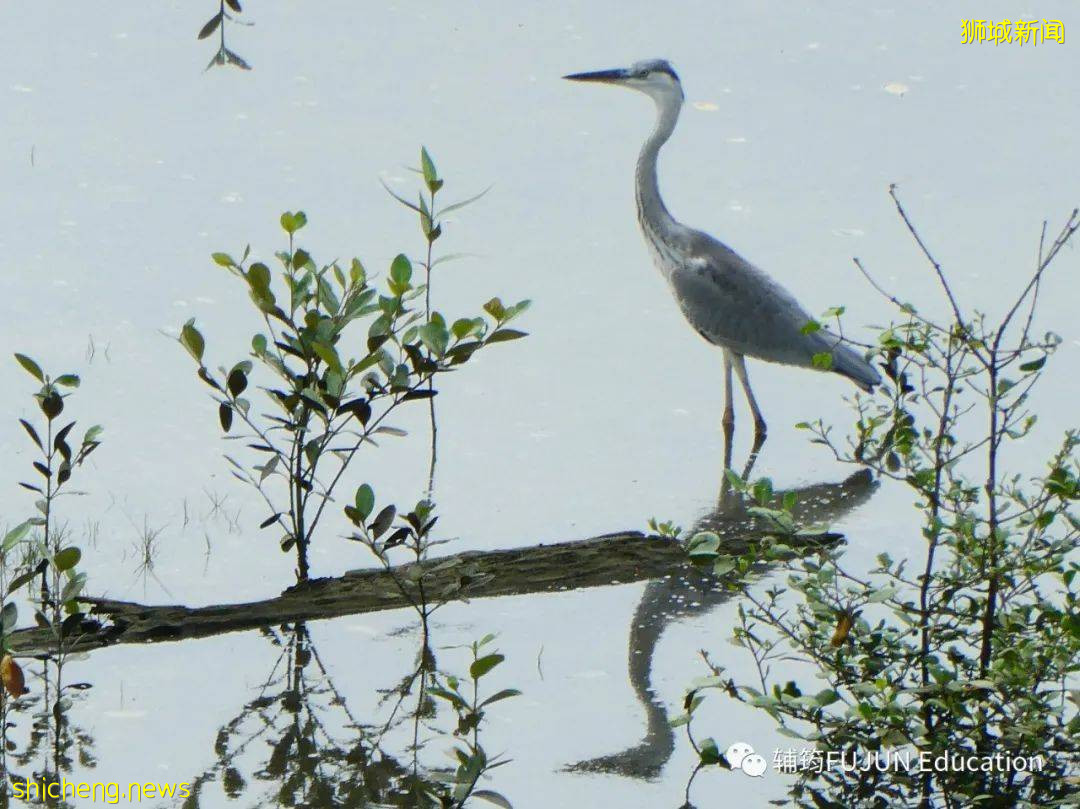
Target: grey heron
column 728, row 301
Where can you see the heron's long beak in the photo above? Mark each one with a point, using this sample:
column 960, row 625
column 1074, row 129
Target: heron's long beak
column 606, row 76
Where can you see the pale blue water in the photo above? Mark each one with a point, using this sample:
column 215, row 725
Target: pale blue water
column 125, row 165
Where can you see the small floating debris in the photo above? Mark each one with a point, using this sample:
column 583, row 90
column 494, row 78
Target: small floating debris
column 896, row 88
column 706, row 106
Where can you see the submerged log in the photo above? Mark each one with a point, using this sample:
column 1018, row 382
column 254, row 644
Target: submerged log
column 617, row 558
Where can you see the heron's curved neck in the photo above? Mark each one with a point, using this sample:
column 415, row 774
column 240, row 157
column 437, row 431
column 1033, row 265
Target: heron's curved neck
column 652, row 212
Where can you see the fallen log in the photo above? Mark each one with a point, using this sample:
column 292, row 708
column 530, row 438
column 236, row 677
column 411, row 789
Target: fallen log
column 617, row 558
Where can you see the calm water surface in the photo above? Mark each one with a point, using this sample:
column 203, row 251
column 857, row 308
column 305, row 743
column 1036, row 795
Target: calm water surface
column 125, row 165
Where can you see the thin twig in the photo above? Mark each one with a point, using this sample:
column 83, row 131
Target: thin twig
column 929, row 256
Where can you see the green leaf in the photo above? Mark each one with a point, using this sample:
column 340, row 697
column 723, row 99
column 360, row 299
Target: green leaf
column 826, row 697
column 31, row 367
column 483, row 665
column 365, row 501
column 823, row 361
column 301, row 259
column 1034, row 365
column 15, row 536
column 435, row 337
column 710, row 753
column 210, row 26
column 810, row 327
column 723, row 565
column 237, row 381
column 32, row 433
column 450, row 696
column 258, row 276
column 495, row 308
column 401, row 269
column 398, row 197
column 193, row 341
column 396, row 431
column 882, row 594
column 327, row 297
column 67, row 559
column 504, row 335
column 461, row 204
column 225, row 416
column 292, row 222
column 357, row 273
column 431, row 176
column 705, row 543
column 52, row 403
column 516, row 309
column 492, row 797
column 68, row 380
column 329, row 355
column 73, row 587
column 737, row 483
column 224, row 259
column 267, row 469
column 382, row 521
column 506, row 693
column 23, row 578
column 466, row 326
column 10, row 616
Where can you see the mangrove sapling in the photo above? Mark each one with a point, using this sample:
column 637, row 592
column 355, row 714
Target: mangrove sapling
column 41, row 553
column 54, row 560
column 224, row 56
column 430, row 215
column 300, row 717
column 298, row 742
column 413, row 532
column 977, row 651
column 334, row 389
column 474, row 763
column 412, row 536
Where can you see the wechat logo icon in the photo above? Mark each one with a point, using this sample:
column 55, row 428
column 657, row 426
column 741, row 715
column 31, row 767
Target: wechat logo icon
column 741, row 756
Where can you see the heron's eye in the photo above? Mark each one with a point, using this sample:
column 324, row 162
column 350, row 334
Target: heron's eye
column 643, row 74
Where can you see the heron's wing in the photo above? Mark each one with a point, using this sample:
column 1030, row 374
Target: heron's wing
column 735, row 305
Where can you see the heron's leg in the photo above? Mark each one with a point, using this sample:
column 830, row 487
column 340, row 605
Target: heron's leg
column 729, row 410
column 759, row 422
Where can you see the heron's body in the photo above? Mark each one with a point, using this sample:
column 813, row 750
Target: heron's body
column 728, row 301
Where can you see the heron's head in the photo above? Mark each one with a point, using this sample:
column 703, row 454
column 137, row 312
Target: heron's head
column 654, row 77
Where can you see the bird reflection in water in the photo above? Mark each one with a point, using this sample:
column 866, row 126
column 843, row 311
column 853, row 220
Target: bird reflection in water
column 690, row 591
